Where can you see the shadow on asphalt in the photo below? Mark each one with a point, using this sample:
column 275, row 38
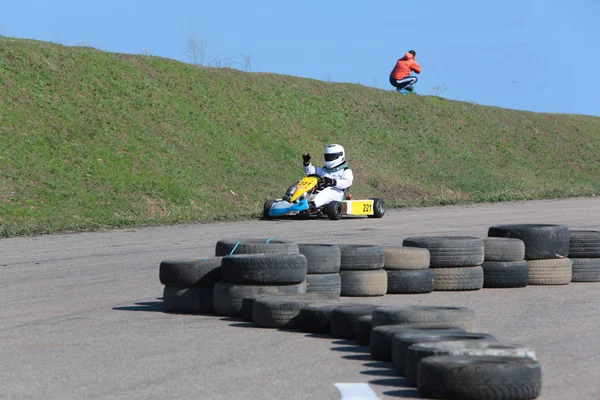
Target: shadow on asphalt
column 358, row 357
column 155, row 306
column 352, row 349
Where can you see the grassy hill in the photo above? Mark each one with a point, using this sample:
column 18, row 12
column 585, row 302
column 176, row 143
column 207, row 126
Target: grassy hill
column 91, row 140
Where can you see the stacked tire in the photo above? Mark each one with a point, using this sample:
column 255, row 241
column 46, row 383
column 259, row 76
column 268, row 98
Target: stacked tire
column 546, row 251
column 584, row 252
column 323, row 267
column 253, row 267
column 455, row 260
column 189, row 284
column 504, row 265
column 361, row 270
column 408, row 270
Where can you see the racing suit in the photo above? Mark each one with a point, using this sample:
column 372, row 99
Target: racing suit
column 343, row 176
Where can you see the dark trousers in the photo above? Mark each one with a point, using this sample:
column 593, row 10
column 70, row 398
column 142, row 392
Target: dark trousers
column 404, row 82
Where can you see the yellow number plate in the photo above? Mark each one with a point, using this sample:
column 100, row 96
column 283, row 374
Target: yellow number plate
column 360, row 207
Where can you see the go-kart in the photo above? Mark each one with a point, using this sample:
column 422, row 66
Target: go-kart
column 298, row 197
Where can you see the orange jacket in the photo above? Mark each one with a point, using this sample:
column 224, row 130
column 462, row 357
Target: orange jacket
column 404, row 66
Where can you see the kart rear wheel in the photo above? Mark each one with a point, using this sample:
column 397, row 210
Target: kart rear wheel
column 334, row 210
column 267, row 206
column 378, row 208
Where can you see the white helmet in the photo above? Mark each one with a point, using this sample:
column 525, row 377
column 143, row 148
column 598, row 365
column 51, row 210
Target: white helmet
column 334, row 156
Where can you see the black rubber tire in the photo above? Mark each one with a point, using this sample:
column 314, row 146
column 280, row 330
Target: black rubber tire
column 449, row 251
column 403, row 340
column 226, row 247
column 557, row 271
column 343, row 319
column 463, row 278
column 334, row 210
column 361, row 257
column 266, row 207
column 541, row 241
column 461, row 317
column 410, row 281
column 584, row 244
column 327, row 284
column 378, row 208
column 198, row 300
column 585, row 270
column 317, row 318
column 282, row 311
column 362, row 329
column 264, row 269
column 505, row 274
column 321, row 258
column 380, row 341
column 198, row 272
column 503, row 249
column 405, row 258
column 479, row 377
column 418, row 351
column 364, row 283
column 228, row 297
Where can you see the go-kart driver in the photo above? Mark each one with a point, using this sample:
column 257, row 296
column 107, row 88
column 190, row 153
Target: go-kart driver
column 336, row 175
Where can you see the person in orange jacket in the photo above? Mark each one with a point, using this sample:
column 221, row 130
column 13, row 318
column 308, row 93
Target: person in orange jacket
column 400, row 76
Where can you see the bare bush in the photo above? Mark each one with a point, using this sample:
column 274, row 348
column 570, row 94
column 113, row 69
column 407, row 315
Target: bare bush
column 196, row 48
column 439, row 89
column 247, row 61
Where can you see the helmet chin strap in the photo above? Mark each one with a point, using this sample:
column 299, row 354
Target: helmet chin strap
column 341, row 166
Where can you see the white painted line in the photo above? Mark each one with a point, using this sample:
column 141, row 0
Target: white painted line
column 356, row 391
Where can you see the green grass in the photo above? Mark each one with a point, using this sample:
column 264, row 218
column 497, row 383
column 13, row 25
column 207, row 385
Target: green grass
column 92, row 140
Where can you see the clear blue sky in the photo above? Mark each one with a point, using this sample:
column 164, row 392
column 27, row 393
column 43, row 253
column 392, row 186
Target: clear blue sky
column 537, row 55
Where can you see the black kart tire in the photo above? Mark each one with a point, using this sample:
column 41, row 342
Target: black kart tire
column 362, row 329
column 343, row 319
column 197, row 300
column 226, row 247
column 410, row 281
column 584, row 244
column 321, row 258
column 197, row 272
column 334, row 210
column 264, row 269
column 449, row 251
column 282, row 311
column 505, row 274
column 541, row 241
column 361, row 257
column 378, row 208
column 266, row 207
column 479, row 377
column 503, row 249
column 328, row 284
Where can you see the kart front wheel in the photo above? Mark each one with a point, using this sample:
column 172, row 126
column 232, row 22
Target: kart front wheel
column 267, row 206
column 334, row 210
column 378, row 208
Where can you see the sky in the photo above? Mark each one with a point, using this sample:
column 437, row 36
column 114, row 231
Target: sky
column 535, row 55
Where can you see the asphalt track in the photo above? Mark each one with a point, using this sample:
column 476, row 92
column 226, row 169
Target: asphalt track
column 81, row 314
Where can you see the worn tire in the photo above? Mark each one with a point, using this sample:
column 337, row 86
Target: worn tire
column 410, row 281
column 418, row 351
column 463, row 278
column 361, row 257
column 321, row 258
column 505, row 274
column 380, row 341
column 343, row 319
column 226, row 247
column 364, row 283
column 479, row 377
column 403, row 340
column 405, row 258
column 585, row 270
column 197, row 300
column 541, row 241
column 282, row 311
column 584, row 244
column 503, row 249
column 362, row 329
column 329, row 284
column 449, row 251
column 461, row 317
column 228, row 297
column 197, row 272
column 264, row 269
column 556, row 271
column 317, row 318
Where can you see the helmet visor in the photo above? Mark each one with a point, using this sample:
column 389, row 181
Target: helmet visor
column 332, row 156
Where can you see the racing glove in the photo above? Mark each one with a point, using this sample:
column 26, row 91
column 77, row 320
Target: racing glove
column 329, row 181
column 306, row 159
